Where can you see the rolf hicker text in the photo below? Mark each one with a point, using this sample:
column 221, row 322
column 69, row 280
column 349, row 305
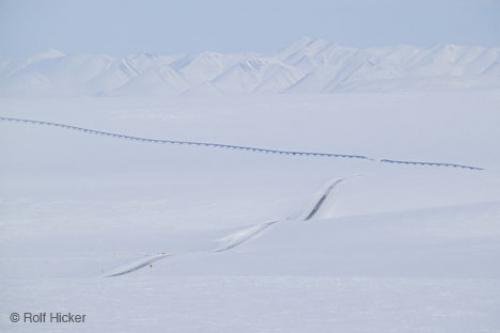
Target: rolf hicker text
column 53, row 317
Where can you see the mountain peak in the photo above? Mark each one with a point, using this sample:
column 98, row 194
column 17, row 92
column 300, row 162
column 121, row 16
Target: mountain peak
column 47, row 54
column 308, row 65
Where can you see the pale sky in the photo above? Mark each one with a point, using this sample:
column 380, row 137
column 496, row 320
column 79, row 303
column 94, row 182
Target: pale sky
column 119, row 27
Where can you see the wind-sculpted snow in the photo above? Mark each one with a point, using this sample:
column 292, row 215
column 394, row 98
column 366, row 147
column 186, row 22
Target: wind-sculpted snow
column 235, row 239
column 321, row 201
column 136, row 265
column 235, row 147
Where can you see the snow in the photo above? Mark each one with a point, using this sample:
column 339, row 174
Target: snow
column 306, row 66
column 147, row 236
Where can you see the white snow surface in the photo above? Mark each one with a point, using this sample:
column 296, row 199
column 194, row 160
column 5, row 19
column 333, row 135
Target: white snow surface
column 147, row 237
column 307, row 66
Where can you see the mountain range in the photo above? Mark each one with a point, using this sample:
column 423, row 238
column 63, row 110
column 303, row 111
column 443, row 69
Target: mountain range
column 306, row 66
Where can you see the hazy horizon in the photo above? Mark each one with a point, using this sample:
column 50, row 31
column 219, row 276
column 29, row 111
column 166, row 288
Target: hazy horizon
column 264, row 53
column 119, row 28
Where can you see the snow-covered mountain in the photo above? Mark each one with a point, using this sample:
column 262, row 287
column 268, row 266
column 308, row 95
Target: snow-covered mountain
column 306, row 66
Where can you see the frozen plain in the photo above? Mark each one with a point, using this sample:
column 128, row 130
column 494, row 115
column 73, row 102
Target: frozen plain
column 395, row 248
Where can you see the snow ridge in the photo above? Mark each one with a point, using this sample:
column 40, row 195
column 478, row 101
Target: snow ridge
column 234, row 239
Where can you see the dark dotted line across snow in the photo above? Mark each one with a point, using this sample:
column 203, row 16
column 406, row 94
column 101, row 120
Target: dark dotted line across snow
column 236, row 147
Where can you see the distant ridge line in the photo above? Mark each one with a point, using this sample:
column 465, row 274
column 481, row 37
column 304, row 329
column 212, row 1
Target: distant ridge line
column 235, row 147
column 308, row 65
